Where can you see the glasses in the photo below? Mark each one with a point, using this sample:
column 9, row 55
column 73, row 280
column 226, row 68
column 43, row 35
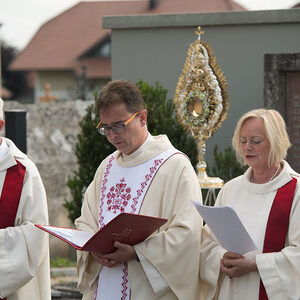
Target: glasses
column 118, row 128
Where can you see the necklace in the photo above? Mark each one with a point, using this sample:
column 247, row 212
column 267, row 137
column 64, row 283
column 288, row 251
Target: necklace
column 276, row 172
column 274, row 175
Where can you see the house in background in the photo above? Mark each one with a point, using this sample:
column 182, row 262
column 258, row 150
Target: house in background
column 5, row 93
column 258, row 51
column 296, row 5
column 71, row 54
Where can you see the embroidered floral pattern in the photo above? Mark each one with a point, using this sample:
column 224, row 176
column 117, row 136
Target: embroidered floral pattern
column 149, row 176
column 125, row 282
column 103, row 188
column 118, row 197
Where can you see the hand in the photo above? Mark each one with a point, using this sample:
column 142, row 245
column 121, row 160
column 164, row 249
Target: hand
column 122, row 254
column 104, row 261
column 235, row 265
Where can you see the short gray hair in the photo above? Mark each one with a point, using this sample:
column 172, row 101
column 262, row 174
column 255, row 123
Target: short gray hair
column 275, row 131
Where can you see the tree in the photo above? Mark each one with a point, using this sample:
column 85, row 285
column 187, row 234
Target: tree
column 91, row 148
column 16, row 82
column 226, row 166
column 162, row 119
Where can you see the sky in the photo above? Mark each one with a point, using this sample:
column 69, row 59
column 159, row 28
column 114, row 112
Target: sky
column 21, row 19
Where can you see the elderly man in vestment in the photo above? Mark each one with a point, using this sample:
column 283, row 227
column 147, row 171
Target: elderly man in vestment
column 24, row 249
column 146, row 175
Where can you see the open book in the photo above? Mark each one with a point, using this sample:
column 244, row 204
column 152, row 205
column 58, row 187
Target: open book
column 126, row 228
column 227, row 227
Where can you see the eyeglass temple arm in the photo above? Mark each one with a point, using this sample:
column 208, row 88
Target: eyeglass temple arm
column 99, row 124
column 128, row 121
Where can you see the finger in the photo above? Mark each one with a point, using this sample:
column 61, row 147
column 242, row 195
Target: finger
column 110, row 256
column 96, row 256
column 232, row 255
column 224, row 269
column 108, row 263
column 119, row 245
column 228, row 263
column 103, row 261
column 114, row 265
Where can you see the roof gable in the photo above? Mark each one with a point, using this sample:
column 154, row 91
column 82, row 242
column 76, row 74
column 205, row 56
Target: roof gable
column 60, row 43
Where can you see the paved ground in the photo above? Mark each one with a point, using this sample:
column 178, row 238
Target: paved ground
column 64, row 284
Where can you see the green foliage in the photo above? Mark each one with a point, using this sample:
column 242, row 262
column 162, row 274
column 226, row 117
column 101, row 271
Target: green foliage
column 162, row 119
column 92, row 148
column 15, row 81
column 61, row 262
column 226, row 166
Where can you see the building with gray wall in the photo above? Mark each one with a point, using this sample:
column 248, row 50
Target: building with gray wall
column 154, row 48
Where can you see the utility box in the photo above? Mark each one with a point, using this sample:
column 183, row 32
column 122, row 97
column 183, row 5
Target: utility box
column 15, row 128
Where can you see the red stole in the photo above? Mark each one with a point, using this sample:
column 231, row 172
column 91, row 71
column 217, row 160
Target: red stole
column 11, row 193
column 278, row 224
column 10, row 196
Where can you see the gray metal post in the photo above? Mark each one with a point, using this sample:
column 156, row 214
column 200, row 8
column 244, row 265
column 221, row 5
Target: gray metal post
column 15, row 128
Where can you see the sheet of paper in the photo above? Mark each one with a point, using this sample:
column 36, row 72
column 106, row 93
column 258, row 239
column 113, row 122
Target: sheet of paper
column 76, row 237
column 227, row 227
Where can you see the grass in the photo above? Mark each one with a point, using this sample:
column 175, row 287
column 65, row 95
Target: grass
column 61, row 262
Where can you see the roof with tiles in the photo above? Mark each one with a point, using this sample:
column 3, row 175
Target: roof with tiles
column 62, row 42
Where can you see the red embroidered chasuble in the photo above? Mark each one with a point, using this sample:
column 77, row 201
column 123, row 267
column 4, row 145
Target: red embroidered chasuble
column 10, row 196
column 278, row 224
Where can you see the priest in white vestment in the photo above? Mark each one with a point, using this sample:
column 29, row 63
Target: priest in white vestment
column 24, row 249
column 146, row 175
column 267, row 200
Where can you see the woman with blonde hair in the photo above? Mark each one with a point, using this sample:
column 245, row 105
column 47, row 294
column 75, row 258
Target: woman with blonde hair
column 266, row 198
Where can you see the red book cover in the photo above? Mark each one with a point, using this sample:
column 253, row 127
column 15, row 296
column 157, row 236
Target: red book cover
column 126, row 228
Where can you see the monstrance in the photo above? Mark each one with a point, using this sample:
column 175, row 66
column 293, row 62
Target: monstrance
column 201, row 101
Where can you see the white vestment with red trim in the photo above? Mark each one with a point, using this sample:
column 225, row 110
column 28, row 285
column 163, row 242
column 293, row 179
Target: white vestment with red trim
column 24, row 249
column 173, row 248
column 279, row 271
column 123, row 190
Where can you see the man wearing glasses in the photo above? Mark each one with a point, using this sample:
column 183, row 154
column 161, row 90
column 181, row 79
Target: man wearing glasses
column 146, row 175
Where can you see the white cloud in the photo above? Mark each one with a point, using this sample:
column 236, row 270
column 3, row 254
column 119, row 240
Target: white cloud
column 20, row 19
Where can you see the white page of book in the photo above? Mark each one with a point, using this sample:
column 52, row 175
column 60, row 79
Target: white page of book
column 76, row 237
column 227, row 227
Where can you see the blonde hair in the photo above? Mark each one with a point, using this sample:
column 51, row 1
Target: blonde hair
column 1, row 109
column 275, row 131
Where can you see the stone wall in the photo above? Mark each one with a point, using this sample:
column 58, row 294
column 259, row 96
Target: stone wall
column 52, row 130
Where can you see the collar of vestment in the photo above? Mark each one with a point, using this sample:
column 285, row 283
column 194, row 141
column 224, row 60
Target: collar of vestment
column 12, row 155
column 123, row 188
column 153, row 146
column 283, row 178
column 3, row 148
